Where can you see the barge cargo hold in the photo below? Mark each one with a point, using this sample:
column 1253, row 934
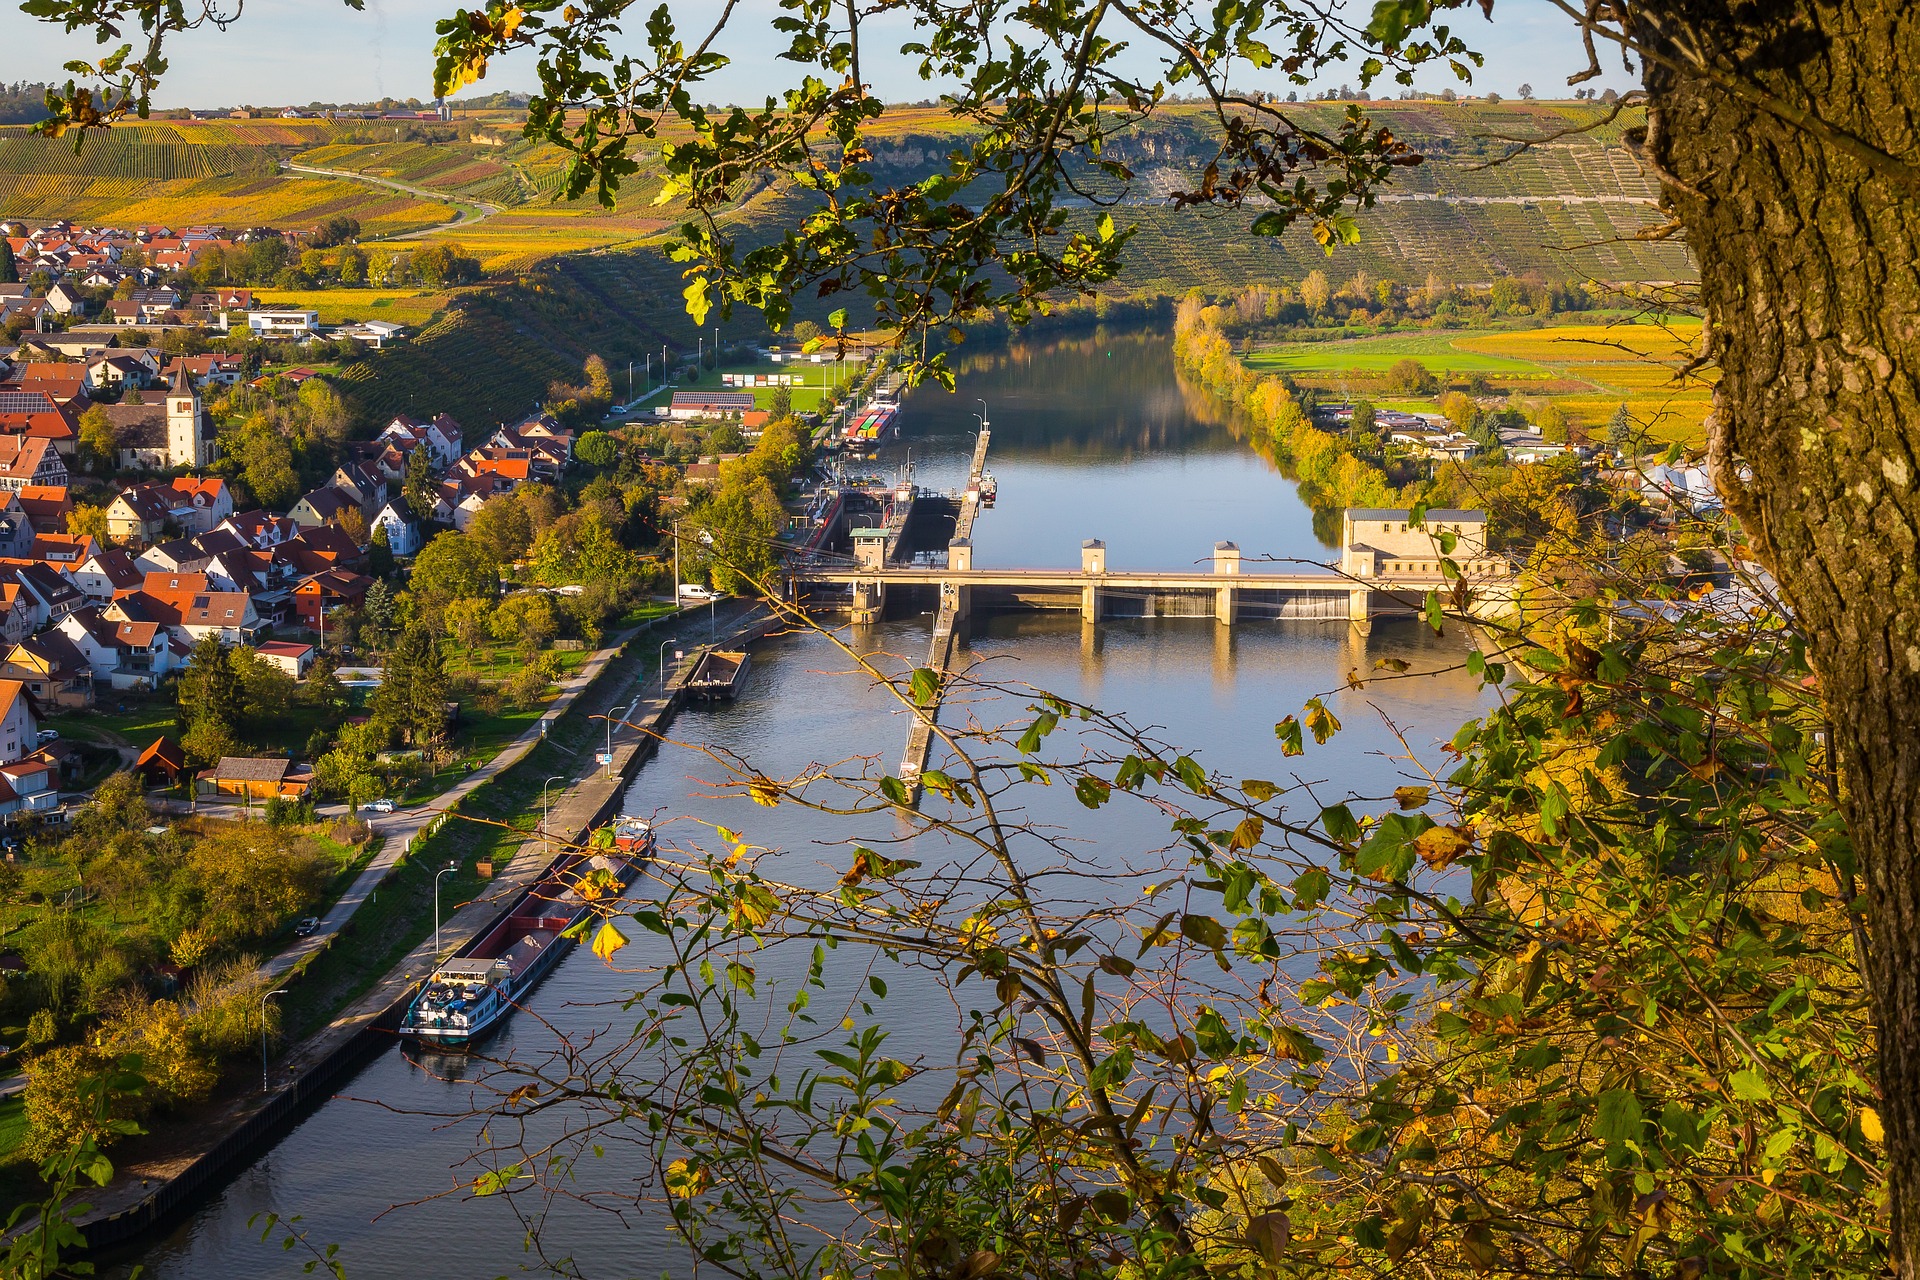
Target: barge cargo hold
column 718, row 673
column 472, row 992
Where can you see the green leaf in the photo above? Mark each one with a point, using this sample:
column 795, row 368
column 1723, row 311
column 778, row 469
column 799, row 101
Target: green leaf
column 1340, row 823
column 925, row 686
column 895, row 790
column 1750, row 1086
column 1204, row 930
column 1389, row 852
column 1321, row 723
column 1288, row 731
column 1617, row 1117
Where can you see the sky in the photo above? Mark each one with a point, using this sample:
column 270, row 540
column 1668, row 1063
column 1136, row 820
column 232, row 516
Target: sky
column 295, row 52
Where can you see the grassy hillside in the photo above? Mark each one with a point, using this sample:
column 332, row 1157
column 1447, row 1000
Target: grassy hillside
column 572, row 279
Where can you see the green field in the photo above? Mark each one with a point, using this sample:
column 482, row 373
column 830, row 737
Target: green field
column 1437, row 351
column 805, row 398
column 1588, row 370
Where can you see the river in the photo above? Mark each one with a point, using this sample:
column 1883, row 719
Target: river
column 1092, row 437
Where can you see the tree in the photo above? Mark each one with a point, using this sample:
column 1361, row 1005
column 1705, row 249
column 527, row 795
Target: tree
column 806, row 331
column 453, row 567
column 88, row 521
column 380, row 551
column 412, row 698
column 1362, row 429
column 208, row 688
column 208, row 741
column 98, row 438
column 1619, row 429
column 380, row 606
column 432, row 265
column 503, row 526
column 1526, row 92
column 1459, row 409
column 1552, row 423
column 1411, row 377
column 597, row 449
column 469, row 622
column 418, row 487
column 265, row 459
column 1315, row 292
column 9, row 270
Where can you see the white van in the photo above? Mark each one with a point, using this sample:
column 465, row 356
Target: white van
column 694, row 591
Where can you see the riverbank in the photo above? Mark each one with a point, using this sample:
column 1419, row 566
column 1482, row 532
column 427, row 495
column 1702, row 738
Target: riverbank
column 194, row 1155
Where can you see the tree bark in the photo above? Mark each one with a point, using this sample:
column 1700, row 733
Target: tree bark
column 1810, row 273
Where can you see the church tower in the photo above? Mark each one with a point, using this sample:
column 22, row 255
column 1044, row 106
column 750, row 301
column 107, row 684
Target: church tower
column 186, row 441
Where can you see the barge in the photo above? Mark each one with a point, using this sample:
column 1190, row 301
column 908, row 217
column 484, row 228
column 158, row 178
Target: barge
column 473, row 991
column 717, row 673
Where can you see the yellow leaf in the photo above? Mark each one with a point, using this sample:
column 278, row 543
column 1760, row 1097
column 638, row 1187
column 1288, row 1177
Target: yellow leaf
column 608, row 941
column 1870, row 1127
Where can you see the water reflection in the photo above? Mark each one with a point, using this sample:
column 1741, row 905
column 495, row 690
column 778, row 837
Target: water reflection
column 1086, row 443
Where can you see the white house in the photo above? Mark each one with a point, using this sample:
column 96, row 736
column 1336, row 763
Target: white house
column 375, row 333
column 127, row 655
column 283, row 324
column 19, row 727
column 403, row 535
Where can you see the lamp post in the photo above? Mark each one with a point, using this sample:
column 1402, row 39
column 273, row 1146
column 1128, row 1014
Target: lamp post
column 449, row 868
column 609, row 760
column 663, row 663
column 545, row 811
column 263, row 1034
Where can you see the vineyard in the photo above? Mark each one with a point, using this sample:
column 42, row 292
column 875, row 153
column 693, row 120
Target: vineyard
column 174, row 174
column 346, row 306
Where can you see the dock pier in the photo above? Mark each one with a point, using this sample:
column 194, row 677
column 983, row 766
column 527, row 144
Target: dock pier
column 955, row 605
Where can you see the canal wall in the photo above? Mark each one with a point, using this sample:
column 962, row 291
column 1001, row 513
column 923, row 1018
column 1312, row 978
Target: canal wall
column 146, row 1192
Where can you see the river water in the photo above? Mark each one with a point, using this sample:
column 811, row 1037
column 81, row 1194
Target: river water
column 1092, row 437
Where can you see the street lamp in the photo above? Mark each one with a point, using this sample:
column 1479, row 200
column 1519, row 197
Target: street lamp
column 663, row 663
column 263, row 1034
column 545, row 811
column 449, row 868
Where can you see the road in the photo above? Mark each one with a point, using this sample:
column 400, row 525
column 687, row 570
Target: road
column 397, row 831
column 480, row 210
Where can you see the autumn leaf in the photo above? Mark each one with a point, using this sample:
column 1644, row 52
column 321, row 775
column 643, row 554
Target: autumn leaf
column 608, row 941
column 1411, row 797
column 1439, row 846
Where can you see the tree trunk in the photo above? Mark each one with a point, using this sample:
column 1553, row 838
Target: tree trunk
column 1810, row 271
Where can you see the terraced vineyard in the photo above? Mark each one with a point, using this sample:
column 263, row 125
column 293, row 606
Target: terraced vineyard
column 183, row 173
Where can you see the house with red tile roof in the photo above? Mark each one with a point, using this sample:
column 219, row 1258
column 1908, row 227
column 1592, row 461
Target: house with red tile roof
column 330, row 589
column 27, row 460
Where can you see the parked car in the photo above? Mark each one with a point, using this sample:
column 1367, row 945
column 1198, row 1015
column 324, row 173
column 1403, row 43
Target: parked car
column 377, row 806
column 46, row 736
column 694, row 591
column 308, row 926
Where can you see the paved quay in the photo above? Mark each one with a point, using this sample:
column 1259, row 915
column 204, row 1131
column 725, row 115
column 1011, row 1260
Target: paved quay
column 150, row 1187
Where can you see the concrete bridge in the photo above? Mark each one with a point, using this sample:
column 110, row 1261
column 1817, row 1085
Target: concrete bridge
column 1352, row 591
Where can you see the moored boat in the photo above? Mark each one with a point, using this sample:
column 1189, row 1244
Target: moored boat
column 472, row 992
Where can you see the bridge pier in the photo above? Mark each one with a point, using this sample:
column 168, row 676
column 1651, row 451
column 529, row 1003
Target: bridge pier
column 869, row 601
column 1093, row 565
column 1226, row 563
column 960, row 560
column 1357, row 601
